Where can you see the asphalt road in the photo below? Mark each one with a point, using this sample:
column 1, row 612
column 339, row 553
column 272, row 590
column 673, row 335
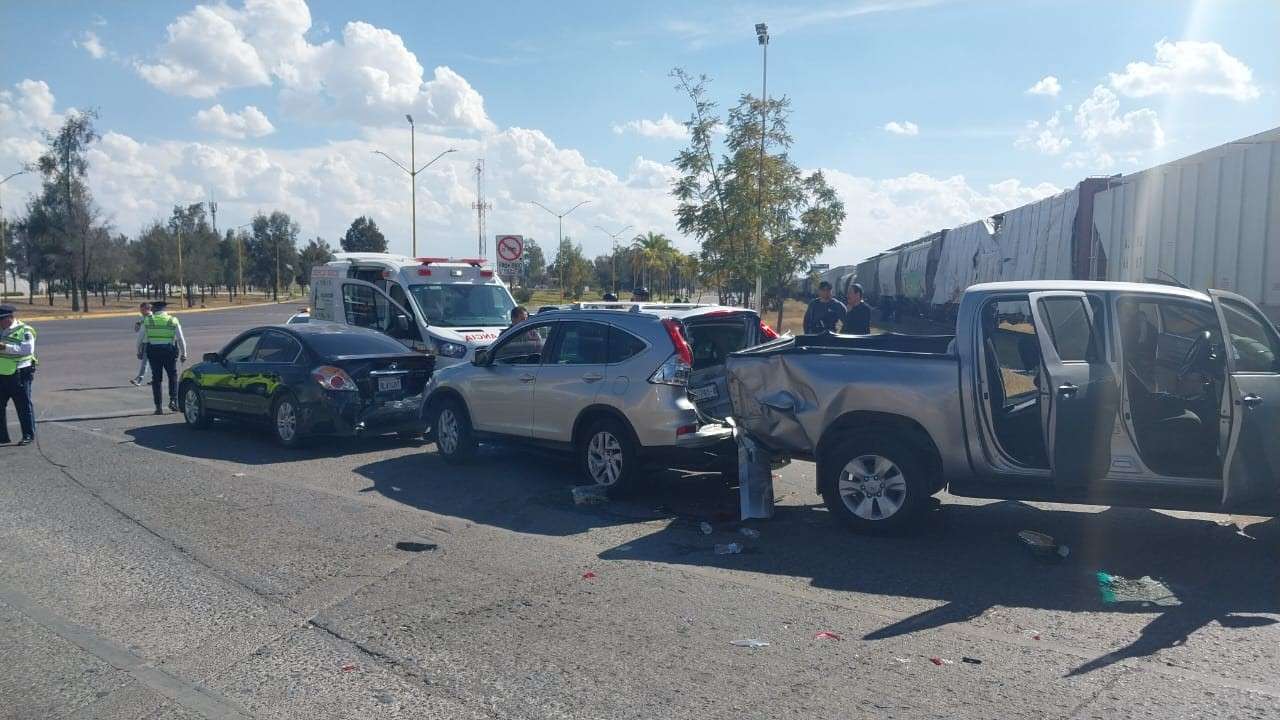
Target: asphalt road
column 147, row 570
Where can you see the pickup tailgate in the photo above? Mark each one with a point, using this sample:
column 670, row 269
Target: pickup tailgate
column 766, row 398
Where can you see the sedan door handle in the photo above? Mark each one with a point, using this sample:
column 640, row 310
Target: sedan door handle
column 593, row 377
column 1251, row 400
column 526, row 378
column 1068, row 390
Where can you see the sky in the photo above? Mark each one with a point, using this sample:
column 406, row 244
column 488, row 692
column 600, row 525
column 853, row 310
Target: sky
column 923, row 114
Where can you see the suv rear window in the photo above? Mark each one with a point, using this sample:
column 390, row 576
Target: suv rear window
column 713, row 340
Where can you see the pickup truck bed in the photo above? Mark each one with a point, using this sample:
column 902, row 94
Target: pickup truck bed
column 792, row 393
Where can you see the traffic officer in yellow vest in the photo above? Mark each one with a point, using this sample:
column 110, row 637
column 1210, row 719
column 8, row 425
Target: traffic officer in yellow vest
column 17, row 370
column 160, row 340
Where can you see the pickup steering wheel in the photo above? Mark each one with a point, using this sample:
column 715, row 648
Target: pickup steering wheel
column 1200, row 351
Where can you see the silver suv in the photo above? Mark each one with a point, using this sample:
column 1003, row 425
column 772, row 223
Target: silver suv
column 620, row 385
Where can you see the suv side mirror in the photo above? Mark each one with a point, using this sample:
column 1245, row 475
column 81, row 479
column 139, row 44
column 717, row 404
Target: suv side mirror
column 213, row 357
column 481, row 357
column 402, row 323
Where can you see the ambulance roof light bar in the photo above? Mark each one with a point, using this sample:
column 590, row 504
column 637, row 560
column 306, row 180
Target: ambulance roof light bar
column 473, row 262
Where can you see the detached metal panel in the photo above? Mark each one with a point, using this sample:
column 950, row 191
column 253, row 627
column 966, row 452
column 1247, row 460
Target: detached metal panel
column 1035, row 240
column 958, row 261
column 1211, row 220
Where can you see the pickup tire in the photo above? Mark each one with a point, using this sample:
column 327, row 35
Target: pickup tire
column 874, row 484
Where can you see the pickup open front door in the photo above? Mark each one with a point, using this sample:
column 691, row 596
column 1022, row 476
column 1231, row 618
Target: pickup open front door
column 1251, row 461
column 1079, row 395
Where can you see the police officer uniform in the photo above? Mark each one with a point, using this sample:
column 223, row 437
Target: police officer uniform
column 160, row 340
column 17, row 371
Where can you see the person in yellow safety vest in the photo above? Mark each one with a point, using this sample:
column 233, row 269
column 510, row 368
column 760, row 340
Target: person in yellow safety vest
column 17, row 371
column 160, row 340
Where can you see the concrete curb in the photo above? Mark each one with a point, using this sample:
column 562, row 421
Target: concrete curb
column 131, row 313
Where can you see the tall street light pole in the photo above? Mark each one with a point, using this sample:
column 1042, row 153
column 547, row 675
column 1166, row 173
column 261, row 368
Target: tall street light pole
column 762, row 37
column 613, row 258
column 413, row 176
column 560, row 246
column 4, row 257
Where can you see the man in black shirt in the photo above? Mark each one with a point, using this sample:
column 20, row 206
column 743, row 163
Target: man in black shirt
column 824, row 312
column 857, row 318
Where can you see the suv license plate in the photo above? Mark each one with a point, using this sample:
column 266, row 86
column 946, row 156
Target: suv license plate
column 388, row 384
column 706, row 392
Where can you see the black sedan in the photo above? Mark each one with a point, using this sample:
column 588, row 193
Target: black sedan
column 310, row 379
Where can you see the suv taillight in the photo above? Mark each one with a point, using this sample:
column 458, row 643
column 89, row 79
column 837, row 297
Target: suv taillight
column 333, row 378
column 678, row 343
column 675, row 371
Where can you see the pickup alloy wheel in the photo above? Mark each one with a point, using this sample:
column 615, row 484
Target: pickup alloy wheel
column 874, row 483
column 872, row 487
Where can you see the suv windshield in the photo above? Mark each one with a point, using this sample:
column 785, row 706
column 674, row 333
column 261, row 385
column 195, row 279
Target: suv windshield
column 464, row 305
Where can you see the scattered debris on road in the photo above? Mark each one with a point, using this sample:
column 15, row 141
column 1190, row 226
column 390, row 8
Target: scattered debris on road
column 1146, row 590
column 588, row 575
column 1043, row 546
column 729, row 549
column 590, row 495
column 706, row 527
column 749, row 643
column 239, row 474
column 749, row 532
column 415, row 547
column 970, row 661
column 348, row 668
column 827, row 635
column 941, row 661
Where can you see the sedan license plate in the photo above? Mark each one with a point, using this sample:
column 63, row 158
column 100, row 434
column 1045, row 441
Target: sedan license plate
column 388, row 384
column 706, row 392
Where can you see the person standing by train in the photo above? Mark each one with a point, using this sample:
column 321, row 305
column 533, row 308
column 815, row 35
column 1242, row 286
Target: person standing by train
column 857, row 316
column 824, row 312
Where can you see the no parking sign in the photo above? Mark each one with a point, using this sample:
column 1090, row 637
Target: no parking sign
column 510, row 251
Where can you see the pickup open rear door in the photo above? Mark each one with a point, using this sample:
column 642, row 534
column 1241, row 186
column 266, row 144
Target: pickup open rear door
column 1251, row 463
column 1079, row 395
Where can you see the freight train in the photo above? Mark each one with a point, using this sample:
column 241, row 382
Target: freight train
column 1207, row 220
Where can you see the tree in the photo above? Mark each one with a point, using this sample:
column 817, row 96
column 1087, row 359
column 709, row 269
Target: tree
column 535, row 263
column 317, row 252
column 755, row 217
column 271, row 256
column 573, row 267
column 199, row 267
column 61, row 219
column 364, row 236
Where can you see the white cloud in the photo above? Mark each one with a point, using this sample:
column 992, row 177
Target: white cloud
column 368, row 76
column 904, row 128
column 90, row 43
column 1187, row 67
column 665, row 127
column 249, row 122
column 1048, row 137
column 1099, row 120
column 1047, row 85
column 26, row 112
column 887, row 212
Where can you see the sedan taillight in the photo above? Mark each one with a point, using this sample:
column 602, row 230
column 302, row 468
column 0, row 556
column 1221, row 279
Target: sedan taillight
column 333, row 378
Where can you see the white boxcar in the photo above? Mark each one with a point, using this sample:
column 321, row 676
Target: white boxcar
column 1210, row 220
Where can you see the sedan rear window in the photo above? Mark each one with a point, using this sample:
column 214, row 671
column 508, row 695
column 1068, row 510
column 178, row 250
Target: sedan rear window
column 353, row 343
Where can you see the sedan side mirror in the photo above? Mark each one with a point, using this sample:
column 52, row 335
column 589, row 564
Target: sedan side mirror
column 481, row 357
column 212, row 357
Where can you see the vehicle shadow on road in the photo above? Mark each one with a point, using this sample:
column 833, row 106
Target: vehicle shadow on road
column 531, row 492
column 968, row 557
column 249, row 444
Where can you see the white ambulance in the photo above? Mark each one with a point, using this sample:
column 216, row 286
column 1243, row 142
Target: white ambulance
column 445, row 306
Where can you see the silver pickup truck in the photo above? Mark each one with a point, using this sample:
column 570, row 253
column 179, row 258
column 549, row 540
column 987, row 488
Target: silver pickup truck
column 1078, row 392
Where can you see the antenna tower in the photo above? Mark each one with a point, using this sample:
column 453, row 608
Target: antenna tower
column 481, row 206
